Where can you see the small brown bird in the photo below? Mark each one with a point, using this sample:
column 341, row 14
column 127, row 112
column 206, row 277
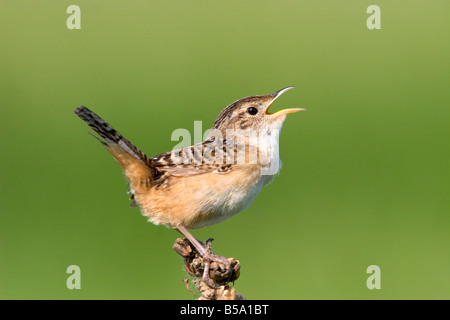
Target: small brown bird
column 206, row 183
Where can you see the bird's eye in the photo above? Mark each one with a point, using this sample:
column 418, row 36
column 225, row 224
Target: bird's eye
column 252, row 111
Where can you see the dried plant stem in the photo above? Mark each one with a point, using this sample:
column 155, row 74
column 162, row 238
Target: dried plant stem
column 220, row 276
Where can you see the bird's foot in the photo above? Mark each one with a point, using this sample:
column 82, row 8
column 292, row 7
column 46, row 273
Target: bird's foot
column 215, row 271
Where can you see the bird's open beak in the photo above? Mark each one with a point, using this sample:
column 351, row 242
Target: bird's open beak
column 284, row 111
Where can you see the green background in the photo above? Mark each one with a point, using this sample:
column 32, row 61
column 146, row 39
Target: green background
column 365, row 178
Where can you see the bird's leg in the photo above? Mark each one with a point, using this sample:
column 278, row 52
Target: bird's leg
column 207, row 256
column 196, row 243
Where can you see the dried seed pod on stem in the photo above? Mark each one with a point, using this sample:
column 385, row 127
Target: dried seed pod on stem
column 217, row 286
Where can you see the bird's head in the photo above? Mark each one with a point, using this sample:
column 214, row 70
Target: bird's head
column 252, row 113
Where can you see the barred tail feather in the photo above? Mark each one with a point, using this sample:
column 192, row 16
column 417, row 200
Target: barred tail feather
column 136, row 165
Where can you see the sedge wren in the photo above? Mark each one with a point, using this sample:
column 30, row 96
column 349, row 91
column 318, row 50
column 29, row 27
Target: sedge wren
column 208, row 182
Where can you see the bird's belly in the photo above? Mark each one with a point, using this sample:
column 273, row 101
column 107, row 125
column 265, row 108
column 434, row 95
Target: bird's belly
column 229, row 202
column 201, row 201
